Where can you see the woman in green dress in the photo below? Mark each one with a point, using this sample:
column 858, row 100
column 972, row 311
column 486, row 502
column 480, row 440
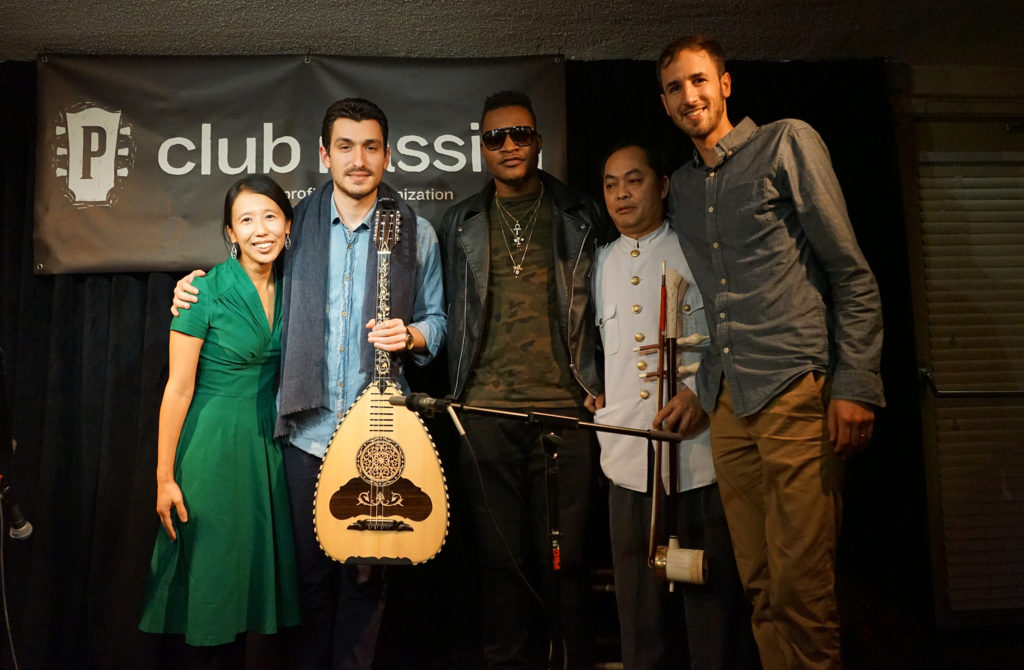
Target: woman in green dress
column 224, row 563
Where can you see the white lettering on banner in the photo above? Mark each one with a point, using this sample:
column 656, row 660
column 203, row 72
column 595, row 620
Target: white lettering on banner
column 411, row 153
column 403, row 149
column 406, row 147
column 409, row 194
column 299, row 193
column 165, row 149
column 270, row 144
column 250, row 157
column 475, row 143
column 204, row 141
column 460, row 158
column 171, row 161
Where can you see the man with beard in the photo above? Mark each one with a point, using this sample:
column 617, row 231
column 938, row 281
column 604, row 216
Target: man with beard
column 327, row 358
column 791, row 379
column 517, row 261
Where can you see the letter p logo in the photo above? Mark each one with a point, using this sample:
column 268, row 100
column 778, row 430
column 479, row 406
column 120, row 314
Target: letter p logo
column 94, row 139
column 95, row 142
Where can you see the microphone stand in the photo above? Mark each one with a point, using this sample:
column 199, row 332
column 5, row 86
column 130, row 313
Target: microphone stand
column 550, row 441
column 544, row 419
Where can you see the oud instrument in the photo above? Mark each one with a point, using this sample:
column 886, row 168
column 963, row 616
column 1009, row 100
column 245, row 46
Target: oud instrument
column 381, row 495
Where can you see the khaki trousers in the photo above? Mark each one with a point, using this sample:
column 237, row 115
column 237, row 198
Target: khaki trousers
column 781, row 489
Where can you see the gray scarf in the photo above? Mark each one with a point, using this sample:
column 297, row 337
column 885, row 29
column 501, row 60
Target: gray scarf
column 304, row 317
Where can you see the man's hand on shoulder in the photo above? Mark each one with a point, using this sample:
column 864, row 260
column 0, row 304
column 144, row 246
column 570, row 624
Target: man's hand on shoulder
column 850, row 426
column 682, row 414
column 185, row 293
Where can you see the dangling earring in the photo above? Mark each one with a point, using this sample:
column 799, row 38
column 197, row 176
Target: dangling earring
column 234, row 250
column 287, row 241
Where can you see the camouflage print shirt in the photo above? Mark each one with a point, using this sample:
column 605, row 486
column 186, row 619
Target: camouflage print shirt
column 523, row 361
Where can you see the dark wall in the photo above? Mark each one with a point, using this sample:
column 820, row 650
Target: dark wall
column 86, row 359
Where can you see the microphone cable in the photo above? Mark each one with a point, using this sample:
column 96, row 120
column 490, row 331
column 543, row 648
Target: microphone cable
column 3, row 591
column 497, row 531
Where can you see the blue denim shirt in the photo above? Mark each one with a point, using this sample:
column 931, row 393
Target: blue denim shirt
column 346, row 286
column 786, row 288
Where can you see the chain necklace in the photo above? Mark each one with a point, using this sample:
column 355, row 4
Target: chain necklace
column 520, row 230
column 517, row 229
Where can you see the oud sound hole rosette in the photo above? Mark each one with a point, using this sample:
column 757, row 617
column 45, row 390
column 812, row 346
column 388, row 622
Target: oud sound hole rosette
column 380, row 461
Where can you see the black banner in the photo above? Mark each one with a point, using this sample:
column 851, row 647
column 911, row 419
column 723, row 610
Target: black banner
column 134, row 154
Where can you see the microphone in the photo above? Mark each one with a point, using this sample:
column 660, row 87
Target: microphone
column 20, row 527
column 420, row 402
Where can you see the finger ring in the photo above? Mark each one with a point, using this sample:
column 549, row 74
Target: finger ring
column 863, row 434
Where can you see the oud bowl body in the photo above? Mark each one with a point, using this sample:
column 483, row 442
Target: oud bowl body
column 381, row 496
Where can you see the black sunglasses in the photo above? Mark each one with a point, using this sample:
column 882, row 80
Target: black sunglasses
column 521, row 136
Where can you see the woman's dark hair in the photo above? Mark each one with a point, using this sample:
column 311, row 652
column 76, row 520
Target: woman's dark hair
column 262, row 185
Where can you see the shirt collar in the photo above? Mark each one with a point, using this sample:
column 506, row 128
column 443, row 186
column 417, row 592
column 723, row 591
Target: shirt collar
column 728, row 145
column 628, row 243
column 336, row 218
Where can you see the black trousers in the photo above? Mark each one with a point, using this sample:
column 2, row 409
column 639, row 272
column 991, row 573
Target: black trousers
column 509, row 504
column 341, row 604
column 656, row 626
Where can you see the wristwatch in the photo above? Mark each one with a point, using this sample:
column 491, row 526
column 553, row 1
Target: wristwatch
column 408, row 339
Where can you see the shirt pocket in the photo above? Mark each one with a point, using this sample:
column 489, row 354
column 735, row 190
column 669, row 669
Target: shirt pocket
column 609, row 325
column 748, row 206
column 691, row 309
column 694, row 320
column 744, row 198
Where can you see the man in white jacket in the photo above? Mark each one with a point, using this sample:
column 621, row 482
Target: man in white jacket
column 626, row 285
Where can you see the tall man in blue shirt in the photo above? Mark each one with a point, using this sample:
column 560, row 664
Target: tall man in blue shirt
column 791, row 378
column 327, row 355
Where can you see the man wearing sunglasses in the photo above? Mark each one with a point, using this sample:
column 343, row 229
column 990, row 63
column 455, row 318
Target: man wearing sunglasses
column 517, row 258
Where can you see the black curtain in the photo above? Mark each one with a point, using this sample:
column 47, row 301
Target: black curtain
column 85, row 361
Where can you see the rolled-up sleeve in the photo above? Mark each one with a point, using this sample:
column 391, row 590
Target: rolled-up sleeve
column 428, row 309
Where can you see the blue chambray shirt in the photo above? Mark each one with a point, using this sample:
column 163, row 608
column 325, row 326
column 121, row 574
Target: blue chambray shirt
column 786, row 288
column 346, row 291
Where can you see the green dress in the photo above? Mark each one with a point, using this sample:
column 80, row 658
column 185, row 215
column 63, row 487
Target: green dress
column 232, row 568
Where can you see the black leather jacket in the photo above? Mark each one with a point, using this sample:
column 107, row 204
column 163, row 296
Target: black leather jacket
column 466, row 256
